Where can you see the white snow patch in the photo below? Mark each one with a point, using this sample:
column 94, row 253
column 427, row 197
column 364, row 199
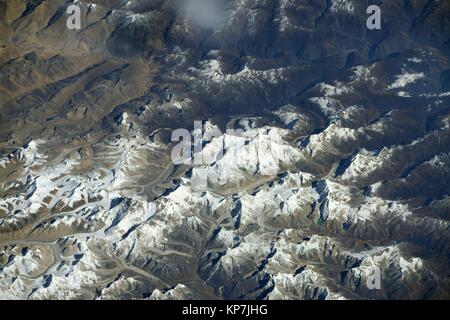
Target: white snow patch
column 404, row 79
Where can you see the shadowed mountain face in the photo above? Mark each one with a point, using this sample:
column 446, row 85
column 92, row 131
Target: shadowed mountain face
column 357, row 121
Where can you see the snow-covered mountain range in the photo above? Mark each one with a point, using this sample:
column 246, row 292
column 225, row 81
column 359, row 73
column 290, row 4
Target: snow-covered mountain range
column 356, row 123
